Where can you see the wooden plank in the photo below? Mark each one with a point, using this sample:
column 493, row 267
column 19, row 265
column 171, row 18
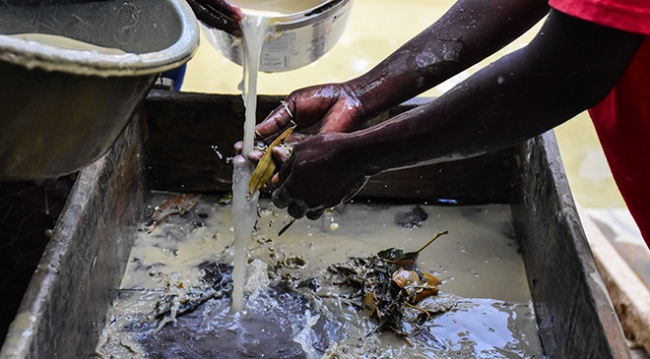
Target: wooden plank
column 575, row 316
column 629, row 294
column 477, row 180
column 185, row 129
column 619, row 228
column 64, row 307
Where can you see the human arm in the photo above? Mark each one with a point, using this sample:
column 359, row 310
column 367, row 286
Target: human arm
column 470, row 31
column 220, row 14
column 568, row 67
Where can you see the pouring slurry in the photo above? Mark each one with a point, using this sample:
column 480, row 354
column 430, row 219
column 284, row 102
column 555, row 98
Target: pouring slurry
column 255, row 28
column 244, row 208
column 278, row 7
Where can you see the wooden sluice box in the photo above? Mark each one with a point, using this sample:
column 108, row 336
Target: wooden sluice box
column 170, row 146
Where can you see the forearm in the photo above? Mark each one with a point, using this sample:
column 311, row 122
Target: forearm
column 469, row 32
column 567, row 68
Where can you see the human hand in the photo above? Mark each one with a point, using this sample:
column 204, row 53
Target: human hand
column 319, row 174
column 316, row 109
column 220, row 14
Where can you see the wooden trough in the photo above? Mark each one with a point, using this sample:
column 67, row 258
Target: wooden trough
column 168, row 146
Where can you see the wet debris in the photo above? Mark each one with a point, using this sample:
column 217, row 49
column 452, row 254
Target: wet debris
column 286, row 226
column 179, row 300
column 294, row 262
column 369, row 348
column 226, row 199
column 266, row 166
column 388, row 284
column 412, row 219
column 177, row 205
column 312, row 284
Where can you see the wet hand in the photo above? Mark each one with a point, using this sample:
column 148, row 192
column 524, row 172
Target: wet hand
column 318, row 175
column 220, row 14
column 280, row 153
column 323, row 109
column 316, row 109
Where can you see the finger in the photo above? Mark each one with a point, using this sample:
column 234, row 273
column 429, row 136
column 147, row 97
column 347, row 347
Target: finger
column 282, row 153
column 279, row 178
column 226, row 8
column 278, row 120
column 255, row 156
column 275, row 180
column 215, row 19
column 239, row 161
column 315, row 214
column 296, row 210
column 281, row 197
column 239, row 146
column 267, row 140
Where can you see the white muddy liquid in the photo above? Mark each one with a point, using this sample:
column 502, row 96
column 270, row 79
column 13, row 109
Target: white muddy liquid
column 245, row 209
column 67, row 43
column 257, row 15
column 278, row 7
column 477, row 261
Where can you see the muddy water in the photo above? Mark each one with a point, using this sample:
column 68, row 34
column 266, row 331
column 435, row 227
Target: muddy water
column 67, row 43
column 254, row 25
column 175, row 295
column 282, row 7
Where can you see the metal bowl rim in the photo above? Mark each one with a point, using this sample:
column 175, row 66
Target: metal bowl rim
column 298, row 20
column 31, row 55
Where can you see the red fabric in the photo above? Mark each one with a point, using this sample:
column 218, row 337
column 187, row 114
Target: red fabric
column 626, row 15
column 622, row 119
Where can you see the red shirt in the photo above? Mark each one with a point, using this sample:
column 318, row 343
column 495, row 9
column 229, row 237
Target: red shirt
column 622, row 119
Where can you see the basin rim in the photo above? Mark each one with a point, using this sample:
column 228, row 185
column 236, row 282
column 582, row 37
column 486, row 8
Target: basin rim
column 31, row 54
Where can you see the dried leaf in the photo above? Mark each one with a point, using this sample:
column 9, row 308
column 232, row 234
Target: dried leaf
column 406, row 278
column 388, row 282
column 396, row 254
column 431, row 279
column 369, row 299
column 176, row 205
column 266, row 166
column 425, row 292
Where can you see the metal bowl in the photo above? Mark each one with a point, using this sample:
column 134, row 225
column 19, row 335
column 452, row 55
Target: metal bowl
column 296, row 40
column 61, row 108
